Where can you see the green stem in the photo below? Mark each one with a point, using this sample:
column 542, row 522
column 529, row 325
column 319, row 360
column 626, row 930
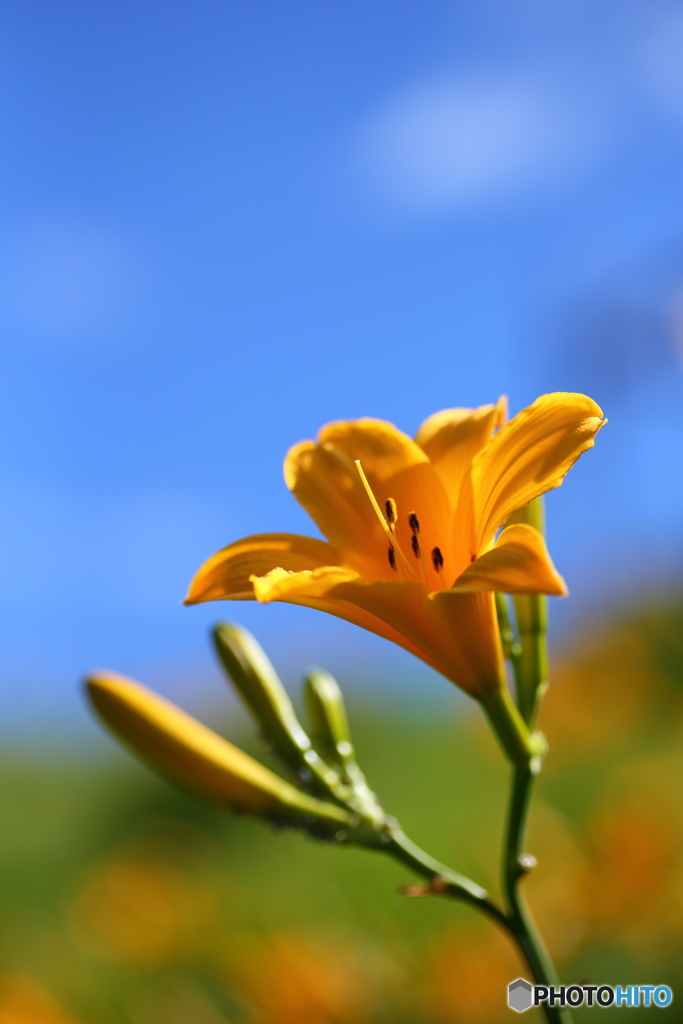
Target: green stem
column 443, row 881
column 509, row 727
column 518, row 917
column 515, row 920
column 529, row 659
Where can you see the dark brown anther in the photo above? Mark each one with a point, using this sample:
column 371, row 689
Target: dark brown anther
column 392, row 559
column 437, row 559
column 392, row 513
column 414, row 522
column 415, row 545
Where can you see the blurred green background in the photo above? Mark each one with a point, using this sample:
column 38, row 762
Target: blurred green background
column 125, row 901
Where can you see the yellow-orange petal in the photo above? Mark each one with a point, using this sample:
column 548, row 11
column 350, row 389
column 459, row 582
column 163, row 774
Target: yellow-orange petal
column 457, row 637
column 195, row 757
column 328, row 486
column 393, row 609
column 530, row 455
column 519, row 563
column 468, row 629
column 451, row 438
column 226, row 574
column 324, row 478
column 280, row 583
column 396, row 606
column 383, row 449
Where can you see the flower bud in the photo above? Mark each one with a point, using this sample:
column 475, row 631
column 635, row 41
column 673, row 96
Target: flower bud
column 260, row 687
column 330, row 729
column 199, row 760
column 327, row 716
column 531, row 614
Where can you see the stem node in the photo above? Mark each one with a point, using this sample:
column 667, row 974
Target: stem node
column 526, row 862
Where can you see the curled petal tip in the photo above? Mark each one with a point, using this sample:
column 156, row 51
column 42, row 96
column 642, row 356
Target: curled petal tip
column 518, row 563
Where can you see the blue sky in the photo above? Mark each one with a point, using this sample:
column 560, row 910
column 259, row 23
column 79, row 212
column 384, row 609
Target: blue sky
column 225, row 224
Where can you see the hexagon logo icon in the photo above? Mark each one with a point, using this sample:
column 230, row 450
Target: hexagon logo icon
column 519, row 995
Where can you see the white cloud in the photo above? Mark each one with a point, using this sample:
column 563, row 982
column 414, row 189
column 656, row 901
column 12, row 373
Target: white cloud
column 452, row 142
column 662, row 62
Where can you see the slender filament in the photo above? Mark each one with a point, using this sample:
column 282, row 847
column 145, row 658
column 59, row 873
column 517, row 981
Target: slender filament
column 391, row 537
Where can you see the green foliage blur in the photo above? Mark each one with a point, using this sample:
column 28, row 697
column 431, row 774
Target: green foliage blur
column 124, row 901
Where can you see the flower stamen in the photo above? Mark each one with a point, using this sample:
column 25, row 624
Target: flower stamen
column 414, row 524
column 437, row 559
column 393, row 542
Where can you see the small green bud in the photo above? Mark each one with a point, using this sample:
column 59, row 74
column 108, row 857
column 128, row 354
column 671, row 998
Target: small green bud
column 327, row 716
column 511, row 647
column 259, row 686
column 330, row 729
column 531, row 615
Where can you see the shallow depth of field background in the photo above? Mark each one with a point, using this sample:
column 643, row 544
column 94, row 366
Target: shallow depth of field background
column 222, row 225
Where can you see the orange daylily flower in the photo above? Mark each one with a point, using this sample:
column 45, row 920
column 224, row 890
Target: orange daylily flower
column 413, row 551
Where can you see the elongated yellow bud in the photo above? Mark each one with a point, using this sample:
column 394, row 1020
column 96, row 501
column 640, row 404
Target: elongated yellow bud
column 199, row 760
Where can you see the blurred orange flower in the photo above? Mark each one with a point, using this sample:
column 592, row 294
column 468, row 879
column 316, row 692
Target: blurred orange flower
column 290, row 979
column 24, row 1001
column 636, row 854
column 613, row 673
column 141, row 912
column 470, row 972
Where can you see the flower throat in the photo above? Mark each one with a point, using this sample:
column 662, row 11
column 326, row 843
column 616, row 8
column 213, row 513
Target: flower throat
column 416, row 569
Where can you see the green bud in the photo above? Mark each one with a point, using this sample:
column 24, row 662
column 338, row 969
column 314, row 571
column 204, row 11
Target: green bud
column 330, row 729
column 327, row 716
column 511, row 647
column 531, row 614
column 260, row 688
